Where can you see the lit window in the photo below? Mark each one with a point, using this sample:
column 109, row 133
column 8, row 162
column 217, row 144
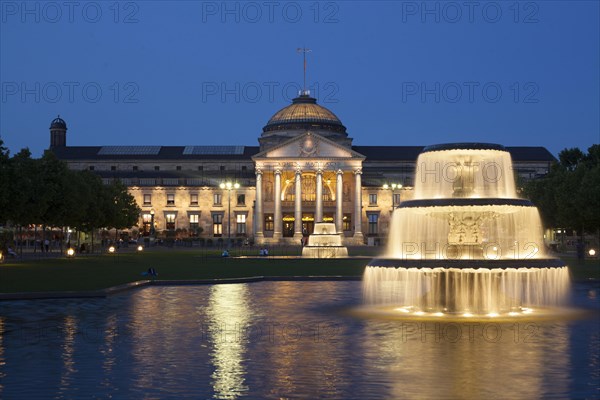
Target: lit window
column 170, row 199
column 194, row 220
column 396, row 200
column 269, row 226
column 217, row 225
column 194, row 199
column 347, row 222
column 170, row 220
column 147, row 199
column 241, row 223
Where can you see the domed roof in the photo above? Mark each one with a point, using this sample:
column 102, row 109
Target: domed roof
column 59, row 123
column 304, row 113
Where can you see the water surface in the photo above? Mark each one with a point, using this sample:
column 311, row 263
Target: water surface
column 284, row 340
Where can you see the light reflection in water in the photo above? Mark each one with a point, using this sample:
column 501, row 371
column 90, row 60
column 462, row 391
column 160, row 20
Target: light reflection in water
column 69, row 333
column 469, row 360
column 229, row 321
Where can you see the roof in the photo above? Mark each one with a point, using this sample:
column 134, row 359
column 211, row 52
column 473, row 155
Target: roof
column 232, row 152
column 304, row 110
column 410, row 153
column 155, row 152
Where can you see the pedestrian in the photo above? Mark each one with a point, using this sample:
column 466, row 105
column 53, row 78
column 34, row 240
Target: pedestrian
column 47, row 245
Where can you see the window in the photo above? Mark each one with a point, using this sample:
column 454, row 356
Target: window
column 147, row 223
column 347, row 222
column 147, row 199
column 269, row 226
column 396, row 199
column 217, row 225
column 91, row 167
column 372, row 199
column 170, row 199
column 241, row 224
column 194, row 220
column 135, row 168
column 244, row 168
column 217, row 199
column 178, row 168
column 200, row 168
column 113, row 167
column 193, row 199
column 156, row 168
column 373, row 218
column 222, row 168
column 170, row 220
column 241, row 199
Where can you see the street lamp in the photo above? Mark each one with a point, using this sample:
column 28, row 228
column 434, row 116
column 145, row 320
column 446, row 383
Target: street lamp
column 393, row 187
column 229, row 187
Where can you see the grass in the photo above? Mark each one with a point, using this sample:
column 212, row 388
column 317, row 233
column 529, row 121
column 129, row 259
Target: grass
column 102, row 271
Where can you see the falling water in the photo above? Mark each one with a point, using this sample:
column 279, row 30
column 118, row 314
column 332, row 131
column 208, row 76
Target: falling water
column 477, row 291
column 465, row 243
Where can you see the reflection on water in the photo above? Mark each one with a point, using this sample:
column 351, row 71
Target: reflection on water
column 228, row 316
column 281, row 340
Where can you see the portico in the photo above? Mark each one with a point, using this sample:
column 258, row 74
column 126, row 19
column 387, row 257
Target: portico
column 304, row 180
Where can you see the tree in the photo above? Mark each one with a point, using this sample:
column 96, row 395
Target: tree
column 569, row 195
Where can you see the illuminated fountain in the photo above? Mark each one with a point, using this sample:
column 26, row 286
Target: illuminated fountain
column 325, row 242
column 465, row 244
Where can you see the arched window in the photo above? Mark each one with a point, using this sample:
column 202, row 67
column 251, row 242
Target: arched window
column 309, row 190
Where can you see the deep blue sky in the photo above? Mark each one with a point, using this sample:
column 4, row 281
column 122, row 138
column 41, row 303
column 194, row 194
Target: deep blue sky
column 177, row 68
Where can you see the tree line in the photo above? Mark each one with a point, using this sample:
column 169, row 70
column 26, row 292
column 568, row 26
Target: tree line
column 45, row 192
column 569, row 195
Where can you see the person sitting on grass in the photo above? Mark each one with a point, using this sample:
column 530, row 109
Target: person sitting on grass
column 11, row 252
column 150, row 272
column 225, row 253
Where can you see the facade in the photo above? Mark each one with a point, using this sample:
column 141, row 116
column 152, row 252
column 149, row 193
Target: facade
column 305, row 170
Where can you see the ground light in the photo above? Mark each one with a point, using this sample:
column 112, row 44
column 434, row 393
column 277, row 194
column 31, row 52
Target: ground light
column 111, row 249
column 592, row 252
column 140, row 248
column 70, row 252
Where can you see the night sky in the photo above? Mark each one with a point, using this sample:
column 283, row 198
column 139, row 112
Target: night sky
column 207, row 73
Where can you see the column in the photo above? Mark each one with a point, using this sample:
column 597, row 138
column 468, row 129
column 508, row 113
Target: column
column 258, row 207
column 338, row 201
column 358, row 235
column 298, row 206
column 278, row 227
column 319, row 199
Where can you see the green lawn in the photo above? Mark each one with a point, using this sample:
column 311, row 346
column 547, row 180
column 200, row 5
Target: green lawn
column 102, row 271
column 99, row 272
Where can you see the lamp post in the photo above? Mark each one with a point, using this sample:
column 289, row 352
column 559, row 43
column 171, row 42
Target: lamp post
column 229, row 186
column 152, row 222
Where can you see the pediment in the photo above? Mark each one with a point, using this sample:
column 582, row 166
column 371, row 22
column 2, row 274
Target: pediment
column 309, row 145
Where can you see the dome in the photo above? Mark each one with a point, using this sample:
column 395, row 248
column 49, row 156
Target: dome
column 304, row 113
column 58, row 123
